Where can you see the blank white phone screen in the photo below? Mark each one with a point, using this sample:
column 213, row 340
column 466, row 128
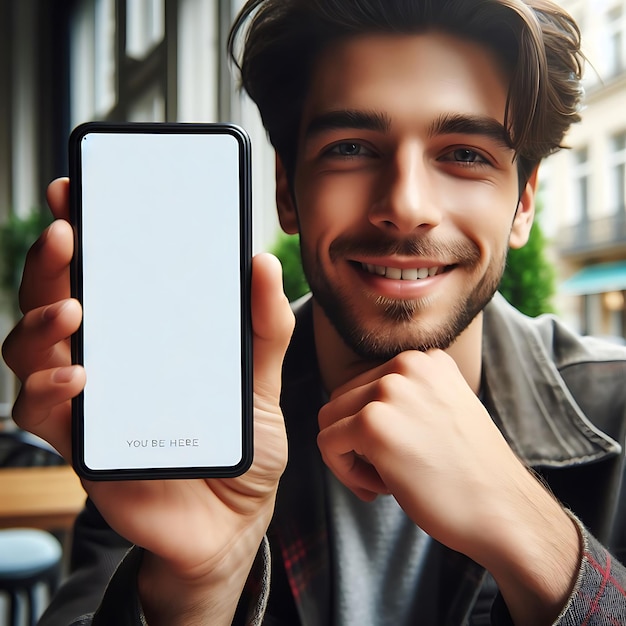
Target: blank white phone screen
column 161, row 300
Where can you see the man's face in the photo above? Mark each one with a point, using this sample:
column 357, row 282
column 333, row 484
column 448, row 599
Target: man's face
column 405, row 189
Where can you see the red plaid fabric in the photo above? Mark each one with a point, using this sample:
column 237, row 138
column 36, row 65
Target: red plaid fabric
column 600, row 597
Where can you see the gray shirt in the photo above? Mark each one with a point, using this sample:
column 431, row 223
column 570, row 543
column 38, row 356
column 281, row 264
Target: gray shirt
column 378, row 560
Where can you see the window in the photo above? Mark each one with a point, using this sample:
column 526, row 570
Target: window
column 581, row 177
column 617, row 188
column 145, row 26
column 120, row 68
column 92, row 65
column 166, row 60
column 614, row 53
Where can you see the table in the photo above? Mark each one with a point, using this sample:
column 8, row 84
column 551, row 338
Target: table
column 40, row 497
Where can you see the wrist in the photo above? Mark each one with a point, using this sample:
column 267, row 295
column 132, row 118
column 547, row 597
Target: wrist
column 534, row 555
column 207, row 595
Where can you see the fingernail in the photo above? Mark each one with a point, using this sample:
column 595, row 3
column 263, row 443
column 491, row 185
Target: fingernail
column 64, row 374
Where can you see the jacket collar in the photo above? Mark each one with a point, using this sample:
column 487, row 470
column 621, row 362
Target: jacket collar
column 527, row 396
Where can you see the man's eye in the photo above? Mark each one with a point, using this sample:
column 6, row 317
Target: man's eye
column 465, row 155
column 348, row 149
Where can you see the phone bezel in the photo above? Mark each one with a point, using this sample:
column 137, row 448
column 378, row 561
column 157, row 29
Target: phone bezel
column 245, row 256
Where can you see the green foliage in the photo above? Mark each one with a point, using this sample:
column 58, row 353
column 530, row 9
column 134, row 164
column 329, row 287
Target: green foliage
column 287, row 249
column 528, row 282
column 17, row 234
column 529, row 279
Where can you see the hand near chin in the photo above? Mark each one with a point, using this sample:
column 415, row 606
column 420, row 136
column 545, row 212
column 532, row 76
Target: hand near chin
column 412, row 427
column 194, row 530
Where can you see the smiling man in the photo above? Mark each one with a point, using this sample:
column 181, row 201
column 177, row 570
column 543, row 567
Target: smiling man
column 450, row 460
column 405, row 189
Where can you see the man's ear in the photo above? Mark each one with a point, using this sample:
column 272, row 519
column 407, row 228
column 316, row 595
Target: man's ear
column 287, row 214
column 525, row 213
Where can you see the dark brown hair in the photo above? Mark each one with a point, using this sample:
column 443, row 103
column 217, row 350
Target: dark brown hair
column 538, row 43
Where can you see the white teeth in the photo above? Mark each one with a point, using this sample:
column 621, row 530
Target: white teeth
column 414, row 273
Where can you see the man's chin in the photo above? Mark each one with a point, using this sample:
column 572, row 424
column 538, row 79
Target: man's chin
column 397, row 311
column 379, row 343
column 382, row 328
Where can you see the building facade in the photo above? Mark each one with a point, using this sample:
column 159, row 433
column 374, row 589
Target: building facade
column 584, row 186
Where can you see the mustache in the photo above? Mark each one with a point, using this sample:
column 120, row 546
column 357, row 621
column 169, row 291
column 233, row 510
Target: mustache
column 453, row 252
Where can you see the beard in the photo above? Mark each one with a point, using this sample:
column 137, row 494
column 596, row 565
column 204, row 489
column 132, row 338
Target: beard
column 399, row 327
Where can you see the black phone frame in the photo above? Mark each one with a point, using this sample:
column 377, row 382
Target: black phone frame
column 76, row 283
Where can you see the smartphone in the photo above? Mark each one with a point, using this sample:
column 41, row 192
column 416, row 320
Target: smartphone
column 162, row 261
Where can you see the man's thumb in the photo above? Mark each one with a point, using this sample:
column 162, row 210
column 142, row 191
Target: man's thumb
column 272, row 323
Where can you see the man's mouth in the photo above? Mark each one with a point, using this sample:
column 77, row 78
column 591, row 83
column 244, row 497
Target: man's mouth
column 406, row 273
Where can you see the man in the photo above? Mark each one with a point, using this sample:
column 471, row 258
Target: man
column 419, row 407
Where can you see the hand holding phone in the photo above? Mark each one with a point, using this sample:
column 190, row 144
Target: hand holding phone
column 205, row 531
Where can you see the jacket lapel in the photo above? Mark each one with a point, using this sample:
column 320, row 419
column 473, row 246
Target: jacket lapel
column 529, row 401
column 300, row 515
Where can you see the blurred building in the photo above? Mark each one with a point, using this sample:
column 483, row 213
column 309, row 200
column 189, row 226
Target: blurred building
column 584, row 188
column 64, row 62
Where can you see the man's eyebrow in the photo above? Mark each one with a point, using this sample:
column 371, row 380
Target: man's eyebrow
column 450, row 124
column 348, row 118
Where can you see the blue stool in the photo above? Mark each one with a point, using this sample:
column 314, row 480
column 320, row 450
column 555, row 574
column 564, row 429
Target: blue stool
column 28, row 558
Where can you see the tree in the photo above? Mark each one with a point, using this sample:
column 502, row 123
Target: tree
column 529, row 279
column 287, row 249
column 17, row 234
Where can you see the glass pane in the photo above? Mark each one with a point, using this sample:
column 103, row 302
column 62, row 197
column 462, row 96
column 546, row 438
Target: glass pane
column 583, row 196
column 82, row 62
column 614, row 41
column 620, row 187
column 618, row 182
column 145, row 26
column 581, row 156
column 197, row 74
column 580, row 185
column 619, row 143
column 150, row 107
column 104, row 56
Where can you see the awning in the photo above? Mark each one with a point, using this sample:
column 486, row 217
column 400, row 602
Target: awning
column 597, row 279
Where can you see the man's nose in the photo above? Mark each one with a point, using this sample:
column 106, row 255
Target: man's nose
column 406, row 199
